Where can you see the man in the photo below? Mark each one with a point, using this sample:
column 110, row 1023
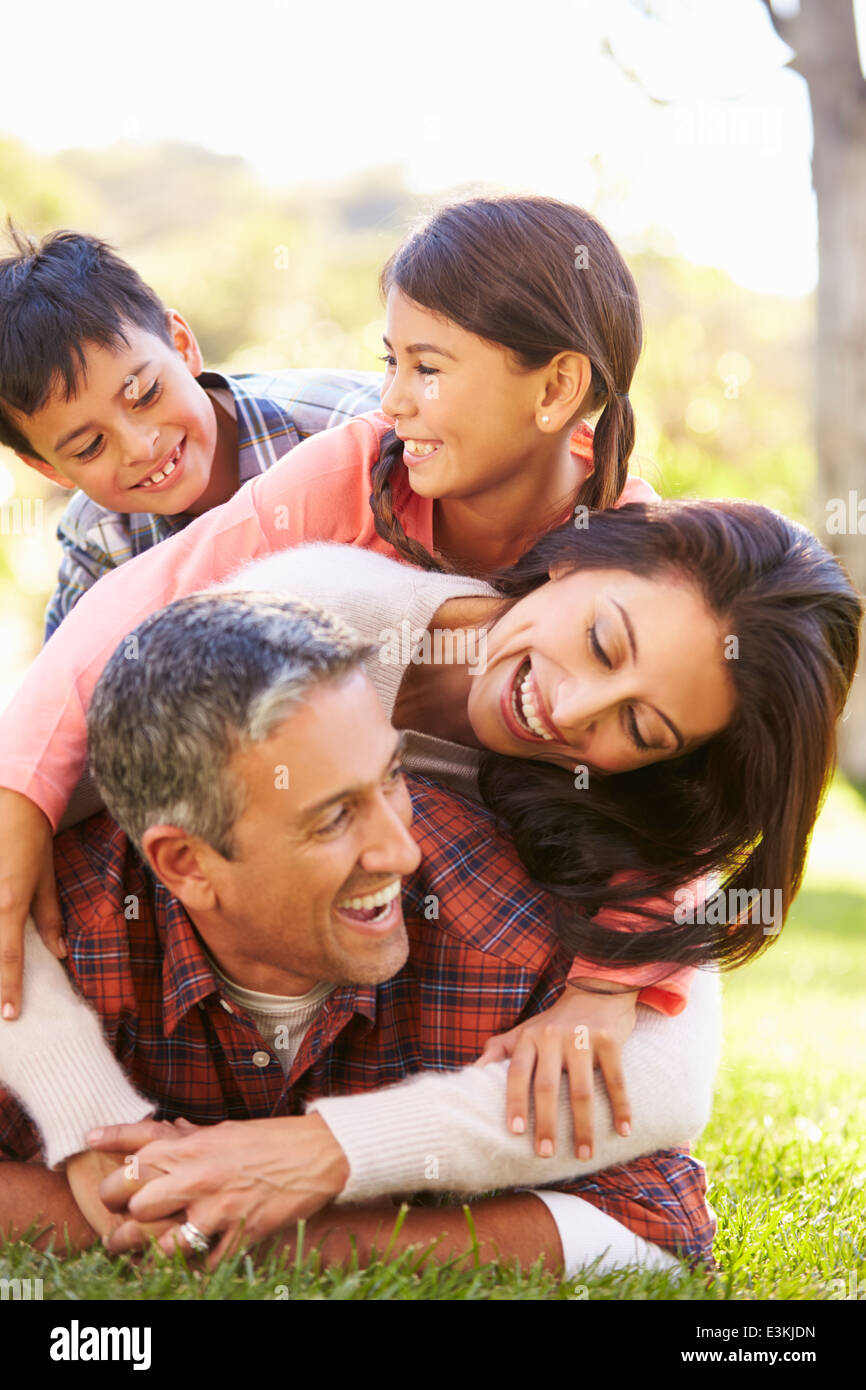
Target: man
column 244, row 941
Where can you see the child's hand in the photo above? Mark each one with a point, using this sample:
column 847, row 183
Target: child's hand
column 26, row 878
column 85, row 1173
column 581, row 1031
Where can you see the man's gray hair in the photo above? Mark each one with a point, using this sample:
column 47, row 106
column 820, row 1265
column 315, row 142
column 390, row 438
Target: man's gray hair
column 204, row 678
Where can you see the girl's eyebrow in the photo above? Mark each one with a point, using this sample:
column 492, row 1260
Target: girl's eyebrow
column 423, row 347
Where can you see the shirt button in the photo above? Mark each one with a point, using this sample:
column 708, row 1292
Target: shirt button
column 262, row 1059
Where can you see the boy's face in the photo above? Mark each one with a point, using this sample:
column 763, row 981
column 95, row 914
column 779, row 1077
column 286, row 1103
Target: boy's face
column 141, row 434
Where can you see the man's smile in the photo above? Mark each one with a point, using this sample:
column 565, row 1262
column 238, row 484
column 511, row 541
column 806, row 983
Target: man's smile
column 373, row 913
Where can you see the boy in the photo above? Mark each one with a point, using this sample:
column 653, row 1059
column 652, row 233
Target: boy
column 102, row 390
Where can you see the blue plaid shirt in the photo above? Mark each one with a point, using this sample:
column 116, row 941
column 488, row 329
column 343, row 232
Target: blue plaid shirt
column 275, row 412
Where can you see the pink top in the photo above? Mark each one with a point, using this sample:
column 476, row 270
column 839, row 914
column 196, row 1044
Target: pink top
column 319, row 491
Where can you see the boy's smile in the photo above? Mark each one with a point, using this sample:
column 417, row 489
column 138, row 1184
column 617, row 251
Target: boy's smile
column 141, row 435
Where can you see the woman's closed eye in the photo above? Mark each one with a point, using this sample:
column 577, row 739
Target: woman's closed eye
column 632, row 729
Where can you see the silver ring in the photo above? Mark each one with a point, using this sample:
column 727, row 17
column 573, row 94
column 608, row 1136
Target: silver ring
column 195, row 1239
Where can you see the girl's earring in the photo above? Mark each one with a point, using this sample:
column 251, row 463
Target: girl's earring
column 545, row 419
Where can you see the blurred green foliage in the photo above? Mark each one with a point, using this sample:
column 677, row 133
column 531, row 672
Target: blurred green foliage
column 289, row 278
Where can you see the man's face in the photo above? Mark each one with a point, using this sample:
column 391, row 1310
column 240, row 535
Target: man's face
column 326, row 821
column 139, row 412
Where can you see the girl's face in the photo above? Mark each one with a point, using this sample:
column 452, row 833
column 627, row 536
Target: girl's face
column 468, row 416
column 603, row 669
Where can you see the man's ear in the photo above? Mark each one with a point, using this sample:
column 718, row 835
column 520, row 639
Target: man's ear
column 177, row 860
column 185, row 342
column 46, row 469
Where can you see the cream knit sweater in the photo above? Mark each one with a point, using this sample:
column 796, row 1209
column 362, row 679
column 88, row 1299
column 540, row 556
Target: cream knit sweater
column 439, row 1130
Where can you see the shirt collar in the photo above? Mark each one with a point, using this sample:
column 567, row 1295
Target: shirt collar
column 266, row 429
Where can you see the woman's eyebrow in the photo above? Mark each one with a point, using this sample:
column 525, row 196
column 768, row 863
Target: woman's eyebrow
column 423, row 347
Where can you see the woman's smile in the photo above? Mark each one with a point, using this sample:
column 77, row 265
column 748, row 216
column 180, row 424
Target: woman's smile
column 523, row 707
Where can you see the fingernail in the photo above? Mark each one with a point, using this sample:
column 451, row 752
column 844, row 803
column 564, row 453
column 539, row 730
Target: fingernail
column 545, row 1149
column 518, row 1125
column 625, row 1128
column 584, row 1151
column 8, row 1011
column 62, row 948
column 94, row 1136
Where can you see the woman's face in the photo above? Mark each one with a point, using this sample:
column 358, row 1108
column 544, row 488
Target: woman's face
column 603, row 669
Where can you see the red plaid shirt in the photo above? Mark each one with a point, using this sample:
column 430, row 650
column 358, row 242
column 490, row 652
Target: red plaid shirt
column 489, row 961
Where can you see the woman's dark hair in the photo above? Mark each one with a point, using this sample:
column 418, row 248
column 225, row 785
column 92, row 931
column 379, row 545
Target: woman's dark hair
column 538, row 277
column 743, row 804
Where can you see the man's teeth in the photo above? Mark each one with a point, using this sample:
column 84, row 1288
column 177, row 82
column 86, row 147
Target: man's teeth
column 384, row 895
column 420, row 446
column 158, row 476
column 528, row 707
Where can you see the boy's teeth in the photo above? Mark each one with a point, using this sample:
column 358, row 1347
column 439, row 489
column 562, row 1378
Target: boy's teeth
column 159, row 475
column 384, row 895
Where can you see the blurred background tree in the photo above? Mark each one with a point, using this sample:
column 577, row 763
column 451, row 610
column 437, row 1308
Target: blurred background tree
column 822, row 35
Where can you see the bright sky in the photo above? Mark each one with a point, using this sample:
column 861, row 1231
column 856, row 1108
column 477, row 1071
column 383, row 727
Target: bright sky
column 518, row 95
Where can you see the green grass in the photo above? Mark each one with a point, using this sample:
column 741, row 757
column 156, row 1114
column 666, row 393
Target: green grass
column 785, row 1151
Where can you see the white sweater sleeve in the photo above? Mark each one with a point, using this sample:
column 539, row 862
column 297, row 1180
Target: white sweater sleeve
column 445, row 1131
column 56, row 1061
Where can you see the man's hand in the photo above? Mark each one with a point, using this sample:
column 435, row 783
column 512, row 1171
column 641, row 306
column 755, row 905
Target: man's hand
column 26, row 884
column 581, row 1031
column 240, row 1180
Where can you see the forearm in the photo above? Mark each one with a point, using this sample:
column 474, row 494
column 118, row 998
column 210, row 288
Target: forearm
column 515, row 1226
column 43, row 728
column 445, row 1131
column 56, row 1061
column 31, row 1196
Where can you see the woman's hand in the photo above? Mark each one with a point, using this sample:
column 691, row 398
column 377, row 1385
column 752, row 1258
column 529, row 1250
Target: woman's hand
column 581, row 1031
column 27, row 884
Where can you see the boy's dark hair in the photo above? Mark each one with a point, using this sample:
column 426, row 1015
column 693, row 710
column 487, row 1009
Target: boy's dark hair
column 55, row 296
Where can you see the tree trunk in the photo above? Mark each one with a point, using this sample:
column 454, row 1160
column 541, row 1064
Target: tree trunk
column 824, row 40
